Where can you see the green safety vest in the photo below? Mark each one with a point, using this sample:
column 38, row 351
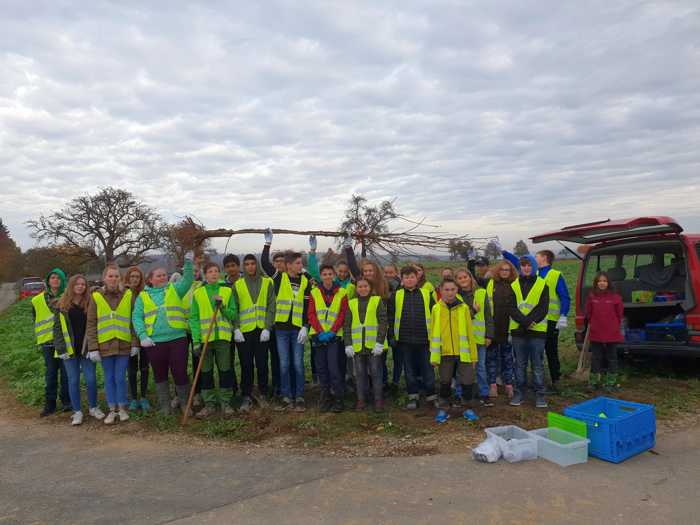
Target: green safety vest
column 287, row 301
column 222, row 327
column 327, row 315
column 43, row 324
column 370, row 327
column 399, row 309
column 66, row 336
column 479, row 321
column 252, row 315
column 113, row 324
column 526, row 305
column 463, row 332
column 175, row 312
column 551, row 279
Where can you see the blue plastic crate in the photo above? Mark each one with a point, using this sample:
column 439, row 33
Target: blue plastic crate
column 617, row 429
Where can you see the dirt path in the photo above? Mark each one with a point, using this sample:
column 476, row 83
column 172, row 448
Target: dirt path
column 8, row 295
column 57, row 474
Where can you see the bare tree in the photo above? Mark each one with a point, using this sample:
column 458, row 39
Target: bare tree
column 112, row 224
column 362, row 219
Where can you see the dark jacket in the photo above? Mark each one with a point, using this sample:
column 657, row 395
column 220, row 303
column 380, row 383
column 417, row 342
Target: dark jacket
column 76, row 319
column 413, row 330
column 537, row 314
column 503, row 302
column 362, row 311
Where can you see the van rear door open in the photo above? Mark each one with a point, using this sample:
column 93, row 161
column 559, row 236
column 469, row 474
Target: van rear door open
column 607, row 230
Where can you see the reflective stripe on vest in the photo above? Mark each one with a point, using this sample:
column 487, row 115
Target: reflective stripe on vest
column 252, row 316
column 327, row 315
column 551, row 280
column 370, row 327
column 436, row 335
column 399, row 309
column 66, row 336
column 526, row 305
column 288, row 301
column 479, row 321
column 43, row 323
column 175, row 312
column 113, row 324
column 187, row 300
column 222, row 327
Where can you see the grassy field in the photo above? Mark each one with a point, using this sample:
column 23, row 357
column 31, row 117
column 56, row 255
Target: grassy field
column 395, row 432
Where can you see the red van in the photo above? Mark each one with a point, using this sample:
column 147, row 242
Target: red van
column 656, row 269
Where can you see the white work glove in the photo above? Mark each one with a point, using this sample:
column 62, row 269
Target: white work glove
column 189, row 256
column 238, row 336
column 63, row 357
column 147, row 342
column 268, row 236
column 265, row 336
column 94, row 356
column 563, row 322
column 497, row 244
column 350, row 351
column 135, row 351
column 378, row 349
column 313, row 243
column 303, row 335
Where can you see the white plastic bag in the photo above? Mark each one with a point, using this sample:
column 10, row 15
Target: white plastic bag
column 487, row 451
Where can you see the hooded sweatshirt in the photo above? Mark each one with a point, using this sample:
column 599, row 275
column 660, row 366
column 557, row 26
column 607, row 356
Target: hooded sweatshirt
column 538, row 313
column 51, row 298
column 162, row 331
column 254, row 284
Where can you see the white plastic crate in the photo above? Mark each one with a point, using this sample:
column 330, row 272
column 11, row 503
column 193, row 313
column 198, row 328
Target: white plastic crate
column 516, row 444
column 561, row 447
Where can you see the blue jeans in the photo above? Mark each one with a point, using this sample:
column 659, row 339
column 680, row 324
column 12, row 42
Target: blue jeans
column 291, row 356
column 529, row 349
column 481, row 377
column 499, row 354
column 73, row 367
column 329, row 368
column 52, row 366
column 418, row 367
column 114, row 368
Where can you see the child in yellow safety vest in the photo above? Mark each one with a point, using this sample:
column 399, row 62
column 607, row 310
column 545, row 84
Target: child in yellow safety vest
column 452, row 343
column 203, row 323
column 110, row 339
column 480, row 308
column 365, row 342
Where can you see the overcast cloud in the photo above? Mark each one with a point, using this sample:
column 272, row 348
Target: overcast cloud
column 506, row 118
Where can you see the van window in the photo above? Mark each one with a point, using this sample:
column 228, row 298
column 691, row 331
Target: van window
column 598, row 263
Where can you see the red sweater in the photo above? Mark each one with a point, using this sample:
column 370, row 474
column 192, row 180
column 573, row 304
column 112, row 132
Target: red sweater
column 604, row 313
column 328, row 296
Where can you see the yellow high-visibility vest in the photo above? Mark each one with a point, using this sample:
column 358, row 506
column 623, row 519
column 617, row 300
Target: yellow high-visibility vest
column 399, row 309
column 43, row 324
column 370, row 326
column 489, row 293
column 479, row 321
column 327, row 315
column 350, row 290
column 222, row 326
column 551, row 279
column 187, row 300
column 464, row 332
column 175, row 312
column 113, row 324
column 66, row 336
column 252, row 315
column 526, row 305
column 287, row 301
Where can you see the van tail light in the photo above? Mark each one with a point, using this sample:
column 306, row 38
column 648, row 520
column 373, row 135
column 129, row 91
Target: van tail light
column 695, row 338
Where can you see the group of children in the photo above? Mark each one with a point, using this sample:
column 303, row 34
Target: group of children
column 475, row 327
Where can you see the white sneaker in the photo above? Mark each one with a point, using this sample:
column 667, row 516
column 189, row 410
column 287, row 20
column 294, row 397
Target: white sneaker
column 123, row 415
column 111, row 418
column 77, row 418
column 97, row 413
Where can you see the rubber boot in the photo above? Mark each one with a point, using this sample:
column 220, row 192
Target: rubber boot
column 593, row 382
column 163, row 395
column 183, row 394
column 611, row 382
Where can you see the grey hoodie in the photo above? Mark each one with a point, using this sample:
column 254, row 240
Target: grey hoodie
column 254, row 284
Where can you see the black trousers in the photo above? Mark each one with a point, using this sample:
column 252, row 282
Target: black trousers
column 274, row 364
column 138, row 364
column 551, row 349
column 252, row 355
column 603, row 358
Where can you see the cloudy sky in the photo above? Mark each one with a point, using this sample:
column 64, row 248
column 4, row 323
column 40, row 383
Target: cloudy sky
column 489, row 118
